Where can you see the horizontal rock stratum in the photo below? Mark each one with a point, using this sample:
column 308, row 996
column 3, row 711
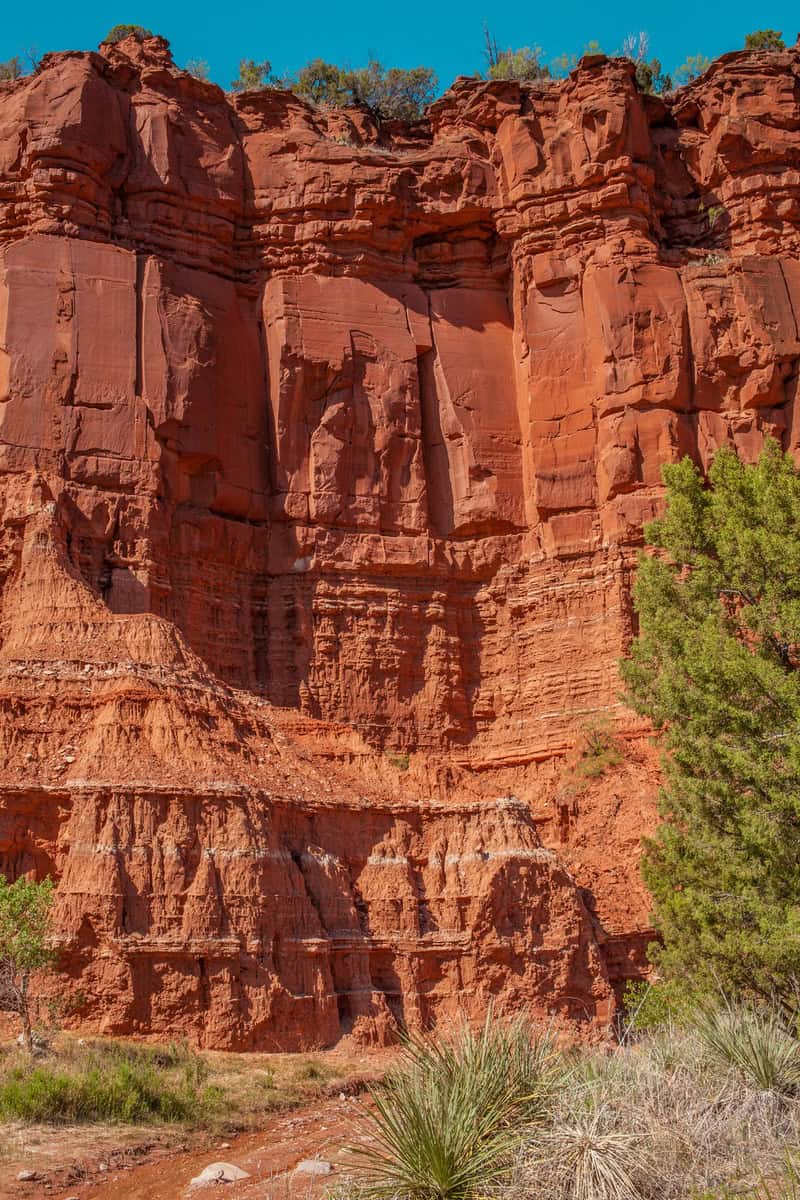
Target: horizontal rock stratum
column 326, row 449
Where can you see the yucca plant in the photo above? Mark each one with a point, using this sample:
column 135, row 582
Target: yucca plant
column 587, row 1158
column 754, row 1042
column 447, row 1119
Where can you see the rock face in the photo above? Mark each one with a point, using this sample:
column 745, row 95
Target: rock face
column 325, row 454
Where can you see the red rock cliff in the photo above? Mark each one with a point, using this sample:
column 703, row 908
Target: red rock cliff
column 325, row 453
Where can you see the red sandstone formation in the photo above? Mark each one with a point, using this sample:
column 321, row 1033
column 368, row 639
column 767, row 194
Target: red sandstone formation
column 324, row 445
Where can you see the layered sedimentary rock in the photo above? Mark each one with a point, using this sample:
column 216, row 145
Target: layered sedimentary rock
column 326, row 448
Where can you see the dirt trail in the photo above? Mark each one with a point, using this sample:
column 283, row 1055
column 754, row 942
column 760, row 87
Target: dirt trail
column 322, row 1130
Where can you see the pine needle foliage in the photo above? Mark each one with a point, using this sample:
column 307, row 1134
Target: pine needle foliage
column 715, row 667
column 447, row 1120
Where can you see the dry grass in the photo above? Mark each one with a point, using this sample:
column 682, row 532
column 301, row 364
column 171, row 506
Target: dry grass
column 665, row 1119
column 709, row 1111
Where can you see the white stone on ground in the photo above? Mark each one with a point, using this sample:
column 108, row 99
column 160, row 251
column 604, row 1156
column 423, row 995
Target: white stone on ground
column 218, row 1172
column 313, row 1166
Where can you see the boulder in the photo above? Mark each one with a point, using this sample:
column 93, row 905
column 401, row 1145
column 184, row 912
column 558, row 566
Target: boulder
column 218, row 1173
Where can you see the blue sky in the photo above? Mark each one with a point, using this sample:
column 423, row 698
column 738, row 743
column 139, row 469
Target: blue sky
column 405, row 33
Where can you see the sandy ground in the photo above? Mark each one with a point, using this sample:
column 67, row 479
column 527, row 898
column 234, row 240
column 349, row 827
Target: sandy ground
column 132, row 1163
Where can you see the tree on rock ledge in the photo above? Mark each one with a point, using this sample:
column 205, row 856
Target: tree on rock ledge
column 118, row 33
column 25, row 944
column 765, row 39
column 716, row 667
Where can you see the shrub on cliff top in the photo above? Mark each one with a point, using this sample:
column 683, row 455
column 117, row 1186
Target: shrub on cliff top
column 11, row 69
column 649, row 76
column 390, row 93
column 252, row 75
column 199, row 68
column 322, row 83
column 765, row 39
column 394, row 93
column 716, row 667
column 118, row 32
column 524, row 64
column 693, row 67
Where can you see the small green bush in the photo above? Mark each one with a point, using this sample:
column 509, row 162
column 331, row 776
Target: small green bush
column 651, row 1006
column 401, row 762
column 524, row 64
column 713, row 213
column 765, row 39
column 312, row 1069
column 599, row 751
column 118, row 32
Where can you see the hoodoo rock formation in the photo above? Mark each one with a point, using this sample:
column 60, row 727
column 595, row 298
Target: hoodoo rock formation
column 325, row 450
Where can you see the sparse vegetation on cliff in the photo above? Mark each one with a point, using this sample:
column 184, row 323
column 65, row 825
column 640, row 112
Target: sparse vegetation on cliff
column 716, row 667
column 598, row 748
column 596, row 751
column 118, row 32
column 404, row 93
column 692, row 68
column 252, row 75
column 390, row 93
column 199, row 68
column 765, row 39
column 11, row 69
column 524, row 63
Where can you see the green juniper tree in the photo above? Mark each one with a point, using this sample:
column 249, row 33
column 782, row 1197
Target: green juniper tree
column 252, row 75
column 390, row 93
column 118, row 32
column 25, row 944
column 716, row 666
column 765, row 39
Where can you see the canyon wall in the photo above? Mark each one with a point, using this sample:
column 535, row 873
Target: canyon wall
column 325, row 451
